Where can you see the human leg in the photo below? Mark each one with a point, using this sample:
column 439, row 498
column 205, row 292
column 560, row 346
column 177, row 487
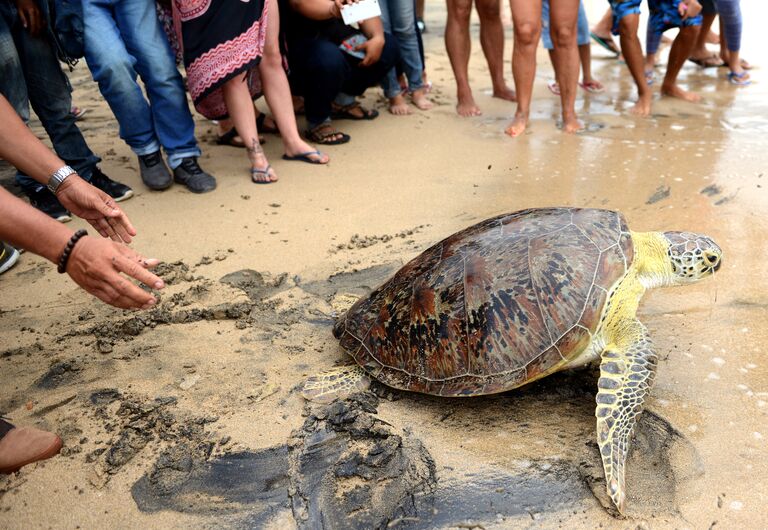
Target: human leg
column 626, row 18
column 277, row 91
column 681, row 50
column 403, row 25
column 526, row 18
column 318, row 71
column 146, row 42
column 563, row 20
column 730, row 15
column 492, row 42
column 391, row 85
column 458, row 45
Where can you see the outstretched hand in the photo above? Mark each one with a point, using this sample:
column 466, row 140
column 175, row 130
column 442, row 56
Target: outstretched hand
column 96, row 207
column 96, row 265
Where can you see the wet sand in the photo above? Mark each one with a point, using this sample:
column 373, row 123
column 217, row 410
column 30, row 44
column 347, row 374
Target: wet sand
column 181, row 417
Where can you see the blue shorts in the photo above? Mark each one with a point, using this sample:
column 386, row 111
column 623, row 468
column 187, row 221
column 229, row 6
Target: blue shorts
column 663, row 14
column 582, row 26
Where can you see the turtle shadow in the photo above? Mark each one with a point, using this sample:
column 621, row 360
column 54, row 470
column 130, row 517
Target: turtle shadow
column 549, row 427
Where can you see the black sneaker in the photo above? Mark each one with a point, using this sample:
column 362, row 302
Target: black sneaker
column 193, row 177
column 114, row 189
column 154, row 172
column 46, row 202
column 8, row 256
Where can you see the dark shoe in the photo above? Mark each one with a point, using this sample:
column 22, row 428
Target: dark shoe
column 114, row 189
column 154, row 172
column 193, row 177
column 8, row 256
column 46, row 202
column 21, row 446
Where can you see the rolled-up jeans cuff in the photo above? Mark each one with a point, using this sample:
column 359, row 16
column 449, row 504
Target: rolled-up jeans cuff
column 175, row 158
column 343, row 99
column 148, row 149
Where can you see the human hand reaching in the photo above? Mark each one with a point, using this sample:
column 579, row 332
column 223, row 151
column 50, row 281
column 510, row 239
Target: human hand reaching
column 96, row 207
column 96, row 265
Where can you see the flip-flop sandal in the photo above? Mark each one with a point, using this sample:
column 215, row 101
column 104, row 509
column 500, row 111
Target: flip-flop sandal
column 592, row 87
column 739, row 79
column 77, row 112
column 305, row 157
column 263, row 128
column 317, row 137
column 713, row 61
column 608, row 44
column 554, row 87
column 264, row 172
column 650, row 77
column 344, row 113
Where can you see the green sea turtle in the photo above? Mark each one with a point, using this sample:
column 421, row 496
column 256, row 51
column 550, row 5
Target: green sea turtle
column 518, row 297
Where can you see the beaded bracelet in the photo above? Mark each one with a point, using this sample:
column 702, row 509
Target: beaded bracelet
column 62, row 268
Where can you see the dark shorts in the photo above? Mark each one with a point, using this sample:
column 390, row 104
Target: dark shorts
column 664, row 14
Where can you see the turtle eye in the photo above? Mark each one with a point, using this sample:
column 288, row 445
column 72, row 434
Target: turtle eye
column 711, row 258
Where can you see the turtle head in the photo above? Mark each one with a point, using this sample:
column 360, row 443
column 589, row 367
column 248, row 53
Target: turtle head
column 691, row 257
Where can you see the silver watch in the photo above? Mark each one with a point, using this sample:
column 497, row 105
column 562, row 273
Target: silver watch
column 55, row 180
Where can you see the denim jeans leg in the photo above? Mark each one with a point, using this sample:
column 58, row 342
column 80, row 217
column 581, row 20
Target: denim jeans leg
column 12, row 83
column 360, row 79
column 145, row 40
column 318, row 71
column 403, row 20
column 112, row 68
column 50, row 95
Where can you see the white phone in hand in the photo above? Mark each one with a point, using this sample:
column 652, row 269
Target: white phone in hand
column 362, row 10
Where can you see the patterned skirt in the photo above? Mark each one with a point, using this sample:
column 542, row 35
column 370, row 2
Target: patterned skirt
column 221, row 39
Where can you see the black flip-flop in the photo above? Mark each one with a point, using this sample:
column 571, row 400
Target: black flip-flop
column 305, row 157
column 228, row 138
column 706, row 62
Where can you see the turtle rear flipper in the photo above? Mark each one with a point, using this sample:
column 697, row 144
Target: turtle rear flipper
column 335, row 384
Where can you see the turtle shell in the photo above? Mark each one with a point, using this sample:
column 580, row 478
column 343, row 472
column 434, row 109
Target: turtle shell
column 493, row 306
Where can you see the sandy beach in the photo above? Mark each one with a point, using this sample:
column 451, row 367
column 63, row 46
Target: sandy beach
column 190, row 415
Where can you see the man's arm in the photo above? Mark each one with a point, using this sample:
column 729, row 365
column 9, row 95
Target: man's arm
column 95, row 264
column 22, row 149
column 373, row 29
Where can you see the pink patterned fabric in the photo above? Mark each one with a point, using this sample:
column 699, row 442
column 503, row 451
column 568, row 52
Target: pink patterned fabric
column 210, row 58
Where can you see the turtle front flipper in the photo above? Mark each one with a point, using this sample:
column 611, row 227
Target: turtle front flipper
column 627, row 371
column 335, row 384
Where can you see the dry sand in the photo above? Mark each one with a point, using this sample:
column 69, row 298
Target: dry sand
column 215, row 372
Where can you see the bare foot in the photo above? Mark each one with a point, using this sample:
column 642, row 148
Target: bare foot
column 643, row 106
column 420, row 99
column 572, row 125
column 676, row 92
column 518, row 125
column 713, row 38
column 398, row 106
column 505, row 93
column 467, row 107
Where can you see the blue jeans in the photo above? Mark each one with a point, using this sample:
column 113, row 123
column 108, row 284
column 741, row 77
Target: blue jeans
column 30, row 73
column 399, row 19
column 123, row 40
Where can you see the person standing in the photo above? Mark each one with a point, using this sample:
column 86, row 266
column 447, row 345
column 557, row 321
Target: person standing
column 458, row 45
column 563, row 17
column 232, row 53
column 124, row 40
column 30, row 73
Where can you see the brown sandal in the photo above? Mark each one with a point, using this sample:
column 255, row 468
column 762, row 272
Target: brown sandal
column 324, row 134
column 346, row 112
